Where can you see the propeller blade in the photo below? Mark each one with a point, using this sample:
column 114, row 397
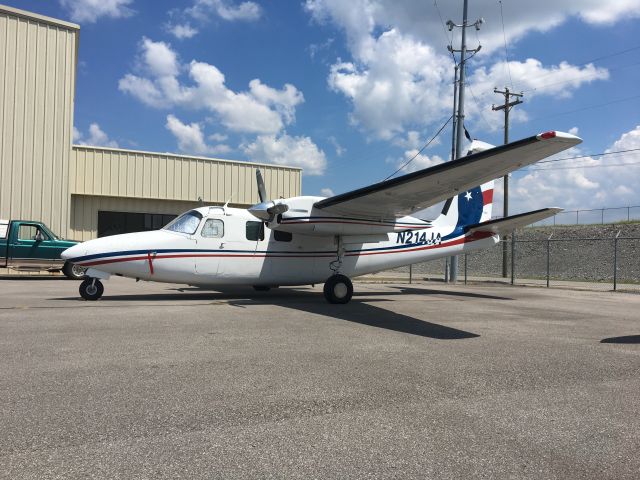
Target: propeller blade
column 262, row 192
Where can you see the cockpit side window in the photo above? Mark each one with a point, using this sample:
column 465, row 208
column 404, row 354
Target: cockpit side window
column 186, row 223
column 255, row 231
column 213, row 228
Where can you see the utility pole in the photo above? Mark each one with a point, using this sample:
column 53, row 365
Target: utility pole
column 459, row 117
column 507, row 106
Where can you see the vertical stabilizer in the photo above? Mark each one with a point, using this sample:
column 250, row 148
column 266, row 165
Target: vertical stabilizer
column 470, row 207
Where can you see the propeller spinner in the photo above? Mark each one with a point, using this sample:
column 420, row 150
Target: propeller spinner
column 267, row 209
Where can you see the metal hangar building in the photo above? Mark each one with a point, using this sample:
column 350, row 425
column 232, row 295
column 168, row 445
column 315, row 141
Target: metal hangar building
column 79, row 191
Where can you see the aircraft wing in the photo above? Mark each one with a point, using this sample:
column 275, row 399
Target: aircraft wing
column 502, row 226
column 415, row 191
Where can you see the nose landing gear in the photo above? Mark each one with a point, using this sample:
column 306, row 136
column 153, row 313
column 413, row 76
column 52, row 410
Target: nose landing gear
column 91, row 289
column 338, row 289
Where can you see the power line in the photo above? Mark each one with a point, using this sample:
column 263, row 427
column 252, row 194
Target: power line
column 506, row 51
column 422, row 149
column 475, row 100
column 602, row 57
column 590, row 155
column 444, row 28
column 588, row 107
column 596, row 59
column 576, row 167
column 579, row 78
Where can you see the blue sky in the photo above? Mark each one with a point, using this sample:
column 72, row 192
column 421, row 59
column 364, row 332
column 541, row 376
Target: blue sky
column 350, row 90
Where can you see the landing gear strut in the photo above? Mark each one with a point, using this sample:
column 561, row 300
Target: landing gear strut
column 91, row 289
column 338, row 289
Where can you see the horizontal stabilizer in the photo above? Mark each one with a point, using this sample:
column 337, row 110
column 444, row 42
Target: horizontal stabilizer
column 501, row 226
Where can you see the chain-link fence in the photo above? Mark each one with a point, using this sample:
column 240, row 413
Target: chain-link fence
column 611, row 263
column 594, row 216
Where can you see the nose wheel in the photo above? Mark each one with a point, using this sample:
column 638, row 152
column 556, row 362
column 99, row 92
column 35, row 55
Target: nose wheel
column 91, row 289
column 338, row 289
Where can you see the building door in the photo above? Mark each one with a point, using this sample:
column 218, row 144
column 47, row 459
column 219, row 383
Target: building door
column 210, row 241
column 115, row 223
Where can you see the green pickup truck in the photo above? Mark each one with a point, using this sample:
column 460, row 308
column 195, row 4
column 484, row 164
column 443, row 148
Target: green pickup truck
column 31, row 246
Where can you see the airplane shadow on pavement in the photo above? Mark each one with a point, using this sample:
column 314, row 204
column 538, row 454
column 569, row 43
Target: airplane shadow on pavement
column 633, row 339
column 360, row 310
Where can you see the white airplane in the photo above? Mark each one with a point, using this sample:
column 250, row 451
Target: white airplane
column 308, row 240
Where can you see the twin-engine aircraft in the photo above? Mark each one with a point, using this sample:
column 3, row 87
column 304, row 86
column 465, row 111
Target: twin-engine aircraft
column 308, row 240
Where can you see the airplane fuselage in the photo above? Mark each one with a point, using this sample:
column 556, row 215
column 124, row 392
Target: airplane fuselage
column 240, row 250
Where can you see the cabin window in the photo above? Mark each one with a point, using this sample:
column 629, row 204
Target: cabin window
column 255, row 231
column 280, row 236
column 213, row 228
column 186, row 223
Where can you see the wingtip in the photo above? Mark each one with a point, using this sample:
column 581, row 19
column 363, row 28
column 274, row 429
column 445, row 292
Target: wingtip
column 560, row 137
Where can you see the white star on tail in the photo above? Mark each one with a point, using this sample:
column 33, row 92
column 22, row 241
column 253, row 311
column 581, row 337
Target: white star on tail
column 467, row 196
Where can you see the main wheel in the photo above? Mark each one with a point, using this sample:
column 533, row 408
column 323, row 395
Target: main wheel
column 91, row 289
column 338, row 289
column 73, row 271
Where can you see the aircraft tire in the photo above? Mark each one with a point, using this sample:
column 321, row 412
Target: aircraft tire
column 73, row 272
column 338, row 289
column 90, row 290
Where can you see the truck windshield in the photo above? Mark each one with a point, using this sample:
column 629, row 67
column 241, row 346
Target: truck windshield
column 185, row 223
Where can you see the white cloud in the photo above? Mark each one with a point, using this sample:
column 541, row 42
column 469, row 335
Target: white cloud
column 225, row 9
column 218, row 137
column 418, row 163
column 96, row 138
column 262, row 109
column 397, row 82
column 421, row 19
column 340, row 150
column 159, row 58
column 191, row 138
column 89, row 11
column 182, row 30
column 287, row 150
column 394, row 83
column 327, row 192
column 579, row 183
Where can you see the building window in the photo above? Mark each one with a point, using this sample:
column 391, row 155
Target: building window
column 114, row 223
column 255, row 231
column 213, row 228
column 280, row 236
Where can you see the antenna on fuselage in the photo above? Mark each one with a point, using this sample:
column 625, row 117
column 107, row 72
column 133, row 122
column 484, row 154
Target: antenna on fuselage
column 224, row 207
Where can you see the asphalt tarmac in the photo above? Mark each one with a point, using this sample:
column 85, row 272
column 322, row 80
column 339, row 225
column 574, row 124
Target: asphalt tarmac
column 407, row 381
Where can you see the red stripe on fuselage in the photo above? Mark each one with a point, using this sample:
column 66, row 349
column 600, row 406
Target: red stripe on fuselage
column 468, row 239
column 487, row 197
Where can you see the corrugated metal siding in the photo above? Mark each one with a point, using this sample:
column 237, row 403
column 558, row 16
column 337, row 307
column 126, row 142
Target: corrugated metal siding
column 134, row 174
column 85, row 208
column 37, row 84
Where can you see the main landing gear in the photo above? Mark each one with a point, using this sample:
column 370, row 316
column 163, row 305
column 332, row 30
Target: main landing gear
column 91, row 289
column 338, row 289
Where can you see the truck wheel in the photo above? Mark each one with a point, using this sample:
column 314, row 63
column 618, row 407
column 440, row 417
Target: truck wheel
column 91, row 289
column 73, row 271
column 338, row 289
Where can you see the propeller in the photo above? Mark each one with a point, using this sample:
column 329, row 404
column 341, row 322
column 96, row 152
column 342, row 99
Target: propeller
column 262, row 191
column 266, row 210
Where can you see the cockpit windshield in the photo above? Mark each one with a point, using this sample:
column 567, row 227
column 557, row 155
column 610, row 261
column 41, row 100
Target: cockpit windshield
column 185, row 223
